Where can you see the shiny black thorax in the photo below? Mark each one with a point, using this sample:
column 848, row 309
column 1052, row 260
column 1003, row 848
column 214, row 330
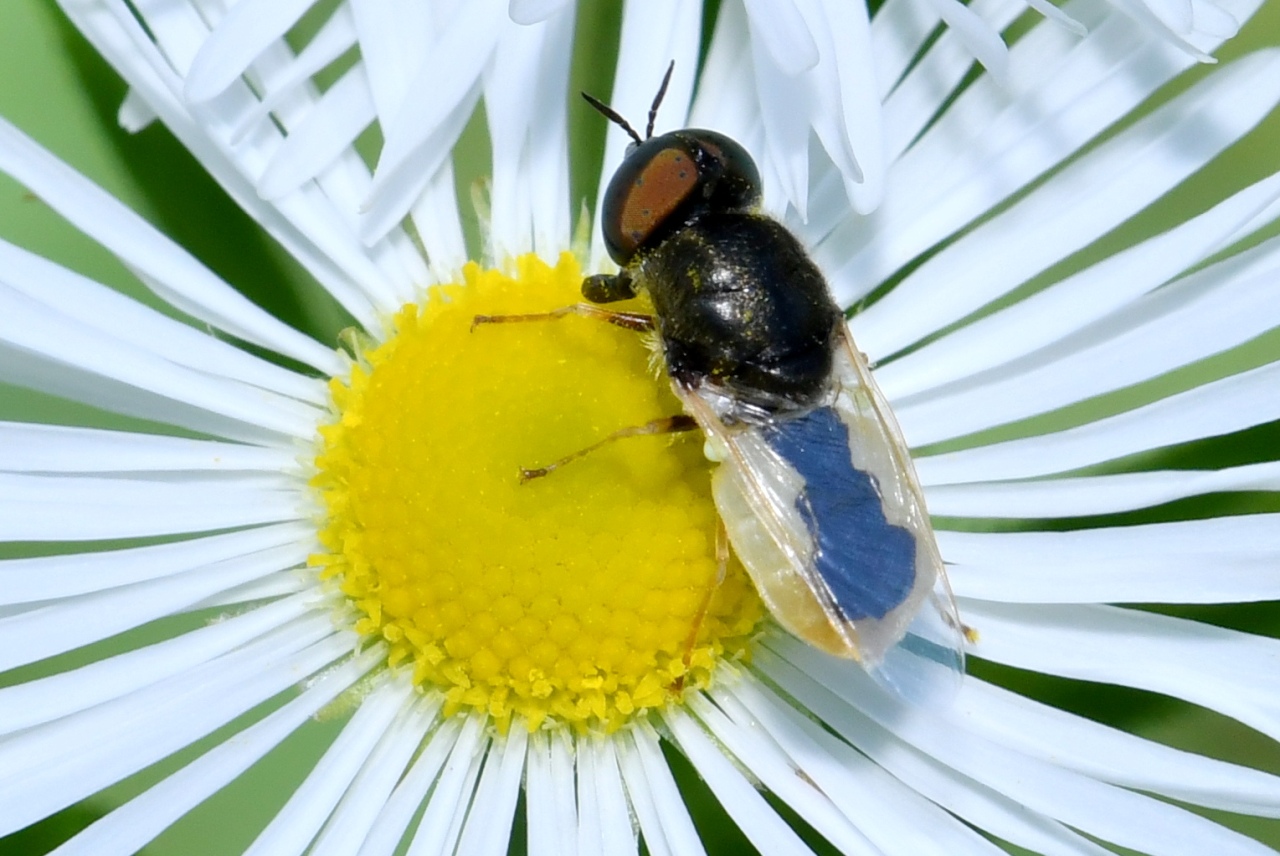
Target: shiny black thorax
column 740, row 307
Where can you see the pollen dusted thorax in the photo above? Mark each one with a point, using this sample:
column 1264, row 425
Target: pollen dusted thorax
column 724, row 321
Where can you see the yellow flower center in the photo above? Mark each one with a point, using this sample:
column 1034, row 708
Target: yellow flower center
column 574, row 596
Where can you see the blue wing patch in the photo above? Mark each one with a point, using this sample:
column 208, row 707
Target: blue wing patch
column 868, row 563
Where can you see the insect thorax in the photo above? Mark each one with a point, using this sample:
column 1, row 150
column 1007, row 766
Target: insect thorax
column 742, row 308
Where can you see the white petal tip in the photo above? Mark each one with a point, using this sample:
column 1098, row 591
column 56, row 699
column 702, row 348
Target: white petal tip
column 528, row 12
column 201, row 85
column 134, row 114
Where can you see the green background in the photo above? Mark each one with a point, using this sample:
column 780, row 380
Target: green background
column 57, row 90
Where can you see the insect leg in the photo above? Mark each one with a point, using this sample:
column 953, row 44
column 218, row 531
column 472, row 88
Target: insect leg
column 665, row 425
column 628, row 320
column 722, row 566
column 609, row 288
column 953, row 621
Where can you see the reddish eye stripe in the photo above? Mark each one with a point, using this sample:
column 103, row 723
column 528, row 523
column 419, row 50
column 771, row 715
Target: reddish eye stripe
column 662, row 185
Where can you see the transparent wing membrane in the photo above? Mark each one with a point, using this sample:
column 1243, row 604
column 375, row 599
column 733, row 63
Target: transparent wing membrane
column 825, row 512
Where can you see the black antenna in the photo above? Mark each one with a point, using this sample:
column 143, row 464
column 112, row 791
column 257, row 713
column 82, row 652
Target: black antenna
column 657, row 99
column 613, row 116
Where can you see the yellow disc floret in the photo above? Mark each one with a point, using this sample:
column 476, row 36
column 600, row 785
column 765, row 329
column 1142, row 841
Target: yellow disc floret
column 574, row 597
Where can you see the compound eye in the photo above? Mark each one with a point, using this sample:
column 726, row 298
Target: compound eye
column 737, row 185
column 654, row 180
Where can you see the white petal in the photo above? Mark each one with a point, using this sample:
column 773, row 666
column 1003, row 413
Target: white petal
column 409, row 793
column 1074, row 207
column 548, row 163
column 897, row 819
column 350, row 822
column 266, row 587
column 526, row 110
column 487, row 831
column 1209, row 312
column 309, row 806
column 36, row 578
column 1057, row 16
column 1100, row 810
column 46, row 334
column 784, row 32
column 1053, row 313
column 392, row 33
column 1174, row 14
column 1211, row 21
column 1112, row 755
column 127, row 828
column 993, row 142
column 1179, row 21
column 754, row 749
column 936, row 149
column 826, row 87
column 314, row 228
column 977, row 803
column 652, row 37
column 1245, row 535
column 899, row 29
column 72, row 622
column 386, row 270
column 332, row 40
column 660, row 809
column 924, row 89
column 171, row 271
column 236, row 41
column 848, row 122
column 1233, row 673
column 726, row 99
column 34, row 371
column 1216, row 560
column 767, row 831
column 1186, row 579
column 588, row 838
column 550, row 807
column 977, row 35
column 70, row 508
column 1078, row 497
column 535, row 11
column 601, row 778
column 1230, row 404
column 785, row 107
column 47, row 768
column 135, row 113
column 420, row 134
column 435, row 214
column 442, row 821
column 45, row 699
column 31, row 447
column 329, row 129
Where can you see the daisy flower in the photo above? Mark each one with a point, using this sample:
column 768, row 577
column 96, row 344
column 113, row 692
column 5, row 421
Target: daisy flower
column 280, row 534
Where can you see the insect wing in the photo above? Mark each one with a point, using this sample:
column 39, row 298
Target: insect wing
column 827, row 516
column 924, row 659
